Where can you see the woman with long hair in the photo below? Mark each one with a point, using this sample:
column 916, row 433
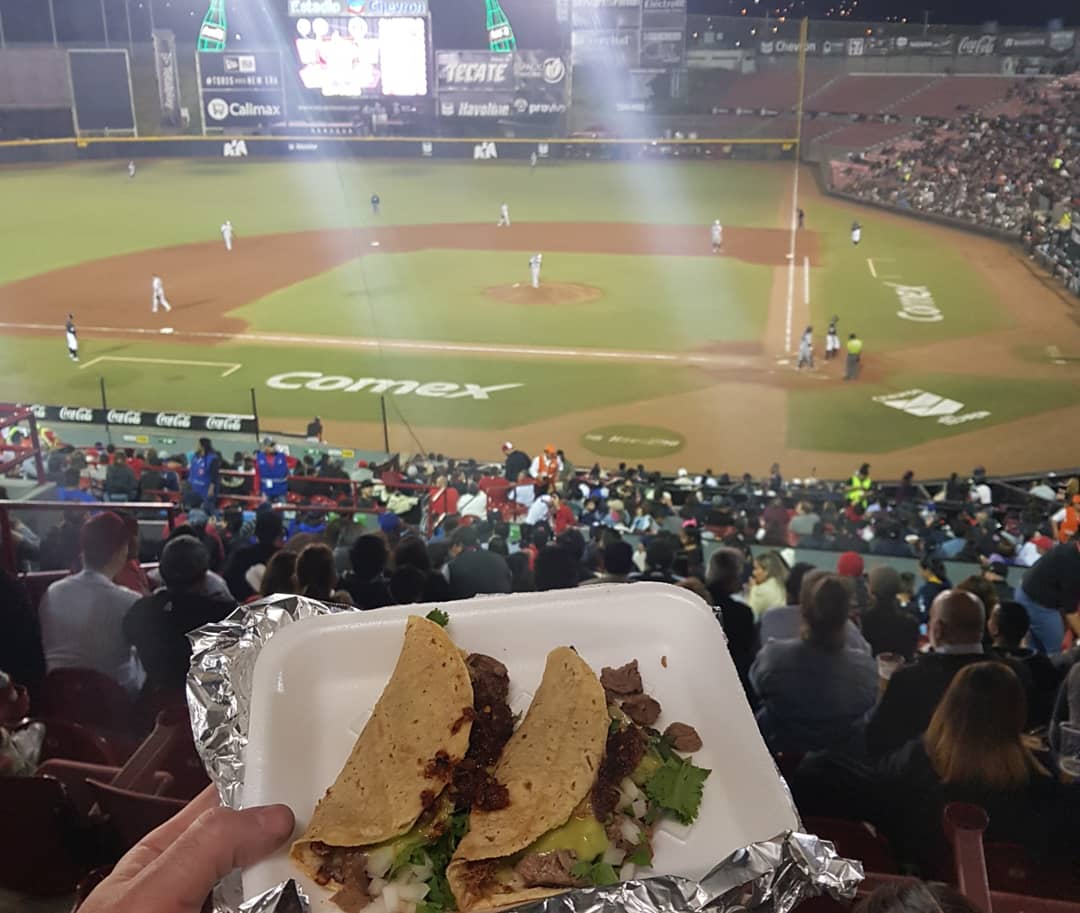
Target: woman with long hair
column 316, row 575
column 767, row 587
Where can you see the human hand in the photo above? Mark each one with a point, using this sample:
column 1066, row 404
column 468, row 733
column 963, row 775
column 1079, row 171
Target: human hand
column 174, row 868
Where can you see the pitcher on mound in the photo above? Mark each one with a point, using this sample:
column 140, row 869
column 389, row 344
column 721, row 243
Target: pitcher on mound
column 534, row 269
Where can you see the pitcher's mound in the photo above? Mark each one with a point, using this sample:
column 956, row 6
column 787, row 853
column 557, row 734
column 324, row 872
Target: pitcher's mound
column 548, row 293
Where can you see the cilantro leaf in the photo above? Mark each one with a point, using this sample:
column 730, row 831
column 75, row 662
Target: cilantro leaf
column 641, row 856
column 581, row 869
column 600, row 874
column 441, row 618
column 677, row 787
column 439, row 897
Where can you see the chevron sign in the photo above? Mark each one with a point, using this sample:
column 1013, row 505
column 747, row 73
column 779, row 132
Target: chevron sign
column 921, row 404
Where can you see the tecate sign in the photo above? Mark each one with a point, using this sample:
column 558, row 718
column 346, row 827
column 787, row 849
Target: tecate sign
column 218, row 109
column 335, row 383
column 476, row 74
column 128, row 417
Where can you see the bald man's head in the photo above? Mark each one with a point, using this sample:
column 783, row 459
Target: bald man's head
column 957, row 617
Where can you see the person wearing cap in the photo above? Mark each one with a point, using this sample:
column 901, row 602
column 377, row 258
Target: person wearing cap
column 858, row 491
column 854, row 357
column 314, row 429
column 1065, row 523
column 273, row 470
column 546, row 467
column 517, row 461
column 82, row 615
column 204, row 473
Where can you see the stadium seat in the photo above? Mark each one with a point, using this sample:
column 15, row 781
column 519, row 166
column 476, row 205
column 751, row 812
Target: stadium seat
column 74, row 742
column 133, row 815
column 856, row 840
column 88, row 697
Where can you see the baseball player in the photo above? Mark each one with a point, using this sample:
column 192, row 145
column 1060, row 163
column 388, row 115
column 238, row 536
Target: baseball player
column 856, row 233
column 72, row 338
column 806, row 349
column 131, row 168
column 504, row 216
column 159, row 295
column 832, row 340
column 802, row 218
column 375, row 201
column 532, row 159
column 227, row 234
column 717, row 236
column 534, row 269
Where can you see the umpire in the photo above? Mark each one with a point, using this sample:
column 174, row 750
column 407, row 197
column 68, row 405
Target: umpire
column 854, row 357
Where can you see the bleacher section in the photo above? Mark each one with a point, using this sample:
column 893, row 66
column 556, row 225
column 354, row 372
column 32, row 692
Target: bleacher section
column 867, row 94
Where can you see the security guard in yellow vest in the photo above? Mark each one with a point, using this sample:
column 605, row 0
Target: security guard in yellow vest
column 859, row 487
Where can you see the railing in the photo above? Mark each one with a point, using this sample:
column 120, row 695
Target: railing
column 16, row 416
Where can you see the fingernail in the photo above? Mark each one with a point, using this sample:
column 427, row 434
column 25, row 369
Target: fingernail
column 275, row 819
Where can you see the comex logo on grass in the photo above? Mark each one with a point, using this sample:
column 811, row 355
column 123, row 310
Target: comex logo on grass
column 921, row 404
column 332, row 383
column 916, row 303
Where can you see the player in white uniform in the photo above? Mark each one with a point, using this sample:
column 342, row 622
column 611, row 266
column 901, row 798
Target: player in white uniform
column 832, row 340
column 532, row 160
column 131, row 168
column 717, row 236
column 159, row 295
column 504, row 216
column 534, row 269
column 72, row 338
column 806, row 349
column 227, row 234
column 856, row 233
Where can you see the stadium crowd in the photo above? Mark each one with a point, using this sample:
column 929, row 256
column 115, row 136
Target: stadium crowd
column 1016, row 172
column 885, row 695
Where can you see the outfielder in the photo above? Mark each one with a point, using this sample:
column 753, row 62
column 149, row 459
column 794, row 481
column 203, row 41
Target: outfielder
column 856, row 233
column 159, row 295
column 131, row 168
column 504, row 216
column 832, row 340
column 806, row 349
column 227, row 234
column 72, row 338
column 717, row 236
column 534, row 269
column 375, row 203
column 532, row 159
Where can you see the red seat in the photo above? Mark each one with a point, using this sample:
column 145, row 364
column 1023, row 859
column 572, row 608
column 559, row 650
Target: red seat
column 88, row 697
column 75, row 742
column 856, row 840
column 133, row 815
column 44, row 841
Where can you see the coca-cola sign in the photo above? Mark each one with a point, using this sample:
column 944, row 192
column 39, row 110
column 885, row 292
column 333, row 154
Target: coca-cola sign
column 75, row 414
column 976, row 45
column 127, row 417
column 172, row 420
column 224, row 423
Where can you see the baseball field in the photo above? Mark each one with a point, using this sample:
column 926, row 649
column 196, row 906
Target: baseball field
column 640, row 344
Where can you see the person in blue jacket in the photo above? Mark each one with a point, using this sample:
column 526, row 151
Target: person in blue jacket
column 273, row 472
column 204, row 473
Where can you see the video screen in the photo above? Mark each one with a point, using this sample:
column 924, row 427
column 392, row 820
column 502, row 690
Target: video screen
column 363, row 56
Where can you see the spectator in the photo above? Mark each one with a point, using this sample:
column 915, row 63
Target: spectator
column 562, row 516
column 805, row 520
column 474, row 503
column 887, row 627
column 279, row 576
column 814, row 692
column 473, row 570
column 850, row 566
column 767, row 588
column 204, row 474
column 442, row 500
column 60, row 549
column 365, row 583
column 82, row 615
column 660, row 560
column 131, row 574
column 539, row 511
column 120, row 481
column 517, row 462
column 555, row 569
column 21, row 654
column 775, row 519
column 157, row 625
column 413, row 553
column 70, row 488
column 616, row 563
column 314, row 430
column 690, row 560
column 996, row 573
column 724, row 579
column 316, row 575
column 273, row 470
column 521, row 574
column 1008, row 626
column 268, row 530
column 787, row 622
column 973, row 751
column 1049, row 591
column 935, row 582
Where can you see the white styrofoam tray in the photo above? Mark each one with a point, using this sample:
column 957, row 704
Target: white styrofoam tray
column 317, row 681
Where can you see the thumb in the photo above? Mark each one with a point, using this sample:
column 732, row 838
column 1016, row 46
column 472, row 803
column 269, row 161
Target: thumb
column 220, row 840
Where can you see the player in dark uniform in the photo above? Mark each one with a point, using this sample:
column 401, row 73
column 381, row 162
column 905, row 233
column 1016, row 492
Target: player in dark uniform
column 375, row 203
column 802, row 219
column 832, row 340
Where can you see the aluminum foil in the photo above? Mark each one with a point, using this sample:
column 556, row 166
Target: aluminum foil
column 771, row 877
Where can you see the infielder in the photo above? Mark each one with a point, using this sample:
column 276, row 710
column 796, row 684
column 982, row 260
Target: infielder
column 856, row 233
column 534, row 269
column 159, row 295
column 375, row 201
column 227, row 234
column 504, row 216
column 72, row 338
column 131, row 168
column 832, row 340
column 806, row 349
column 717, row 236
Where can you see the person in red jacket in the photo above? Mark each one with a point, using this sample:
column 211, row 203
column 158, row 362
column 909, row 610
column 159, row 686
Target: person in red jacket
column 442, row 499
column 562, row 517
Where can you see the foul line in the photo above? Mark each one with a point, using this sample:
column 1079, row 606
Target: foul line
column 806, row 281
column 873, row 270
column 791, row 259
column 402, row 345
column 231, row 365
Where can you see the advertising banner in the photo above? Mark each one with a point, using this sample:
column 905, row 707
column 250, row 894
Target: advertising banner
column 459, row 105
column 241, row 90
column 168, row 76
column 135, row 418
column 938, row 45
column 776, row 47
column 976, row 45
column 304, row 9
column 609, row 48
column 663, row 14
column 1036, row 44
column 606, row 14
column 471, row 70
column 663, row 48
column 540, row 70
column 868, row 47
column 243, row 109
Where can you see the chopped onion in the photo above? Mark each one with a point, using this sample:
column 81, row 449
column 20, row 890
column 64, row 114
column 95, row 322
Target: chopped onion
column 409, row 908
column 613, row 855
column 379, row 861
column 375, row 886
column 422, row 872
column 629, row 789
column 378, row 905
column 639, row 807
column 391, row 898
column 627, row 872
column 413, row 893
column 629, row 831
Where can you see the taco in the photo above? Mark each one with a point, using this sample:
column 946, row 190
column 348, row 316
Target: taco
column 587, row 778
column 392, row 802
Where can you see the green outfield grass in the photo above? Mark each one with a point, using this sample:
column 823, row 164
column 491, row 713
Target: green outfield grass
column 666, row 303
